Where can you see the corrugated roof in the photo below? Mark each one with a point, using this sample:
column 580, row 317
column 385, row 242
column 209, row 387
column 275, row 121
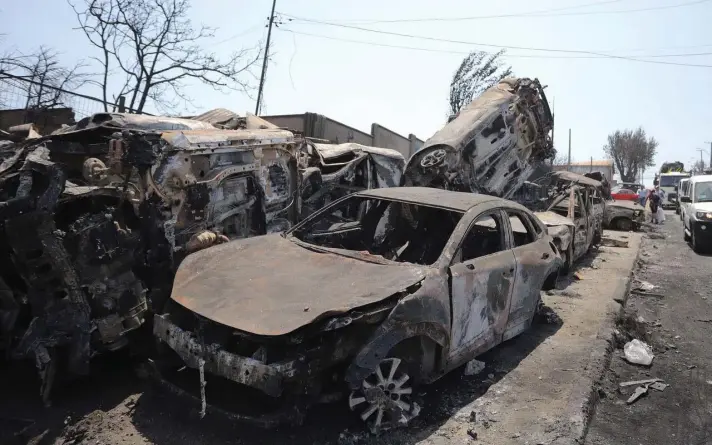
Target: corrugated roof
column 604, row 163
column 216, row 116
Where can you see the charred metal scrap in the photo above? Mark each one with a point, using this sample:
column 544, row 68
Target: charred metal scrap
column 492, row 146
column 331, row 171
column 95, row 218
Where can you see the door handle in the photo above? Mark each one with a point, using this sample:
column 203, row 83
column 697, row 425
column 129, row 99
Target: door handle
column 470, row 266
column 545, row 256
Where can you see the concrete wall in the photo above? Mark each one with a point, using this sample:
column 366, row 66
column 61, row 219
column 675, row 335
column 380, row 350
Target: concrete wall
column 46, row 121
column 318, row 126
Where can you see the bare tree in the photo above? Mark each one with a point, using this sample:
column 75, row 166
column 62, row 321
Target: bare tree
column 46, row 81
column 155, row 46
column 478, row 71
column 561, row 159
column 631, row 151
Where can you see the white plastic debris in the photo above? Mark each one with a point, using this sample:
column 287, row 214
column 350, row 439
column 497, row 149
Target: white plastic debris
column 645, row 286
column 474, row 367
column 638, row 352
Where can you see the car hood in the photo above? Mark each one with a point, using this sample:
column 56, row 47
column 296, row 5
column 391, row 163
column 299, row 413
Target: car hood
column 553, row 219
column 270, row 286
column 703, row 207
column 627, row 204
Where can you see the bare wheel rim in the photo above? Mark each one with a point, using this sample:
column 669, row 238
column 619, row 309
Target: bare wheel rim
column 432, row 159
column 385, row 398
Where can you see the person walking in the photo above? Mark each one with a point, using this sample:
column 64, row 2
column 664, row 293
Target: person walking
column 654, row 200
column 642, row 196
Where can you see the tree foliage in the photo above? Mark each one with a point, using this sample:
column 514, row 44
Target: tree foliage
column 156, row 48
column 478, row 71
column 631, row 151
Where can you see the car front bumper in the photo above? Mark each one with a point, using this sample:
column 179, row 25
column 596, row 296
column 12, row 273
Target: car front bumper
column 702, row 232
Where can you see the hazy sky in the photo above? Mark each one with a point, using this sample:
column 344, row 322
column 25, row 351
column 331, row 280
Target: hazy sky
column 406, row 90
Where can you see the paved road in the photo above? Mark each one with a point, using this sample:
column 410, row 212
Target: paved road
column 678, row 318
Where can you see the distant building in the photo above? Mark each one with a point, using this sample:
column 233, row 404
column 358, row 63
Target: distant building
column 605, row 167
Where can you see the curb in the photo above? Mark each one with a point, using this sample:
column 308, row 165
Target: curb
column 584, row 398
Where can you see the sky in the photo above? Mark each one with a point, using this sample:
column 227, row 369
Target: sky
column 406, row 90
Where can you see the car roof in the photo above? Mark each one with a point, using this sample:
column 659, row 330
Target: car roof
column 701, row 178
column 461, row 201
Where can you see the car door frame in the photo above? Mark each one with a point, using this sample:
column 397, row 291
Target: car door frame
column 536, row 256
column 462, row 350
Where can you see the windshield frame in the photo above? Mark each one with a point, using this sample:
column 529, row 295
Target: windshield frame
column 368, row 257
column 695, row 199
column 675, row 178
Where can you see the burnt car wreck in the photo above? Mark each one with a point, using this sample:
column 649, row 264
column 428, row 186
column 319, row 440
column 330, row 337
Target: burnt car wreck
column 96, row 217
column 413, row 282
column 492, row 146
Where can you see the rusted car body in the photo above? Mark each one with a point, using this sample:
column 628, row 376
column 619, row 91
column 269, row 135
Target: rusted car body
column 623, row 215
column 96, row 216
column 331, row 171
column 575, row 214
column 492, row 146
column 376, row 293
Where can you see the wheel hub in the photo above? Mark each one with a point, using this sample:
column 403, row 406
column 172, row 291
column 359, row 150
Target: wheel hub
column 385, row 399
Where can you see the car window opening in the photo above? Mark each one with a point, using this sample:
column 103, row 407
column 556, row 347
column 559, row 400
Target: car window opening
column 703, row 192
column 485, row 237
column 396, row 231
column 520, row 231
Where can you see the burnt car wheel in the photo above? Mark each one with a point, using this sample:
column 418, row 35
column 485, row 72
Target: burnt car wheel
column 624, row 224
column 385, row 397
column 433, row 159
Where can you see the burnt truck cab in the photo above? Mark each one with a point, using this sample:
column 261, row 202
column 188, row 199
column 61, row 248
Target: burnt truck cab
column 376, row 293
column 492, row 146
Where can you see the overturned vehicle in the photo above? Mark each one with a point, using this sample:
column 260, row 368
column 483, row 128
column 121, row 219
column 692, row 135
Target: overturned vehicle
column 96, row 217
column 492, row 146
column 331, row 171
column 366, row 299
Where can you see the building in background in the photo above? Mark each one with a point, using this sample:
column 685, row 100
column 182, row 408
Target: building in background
column 605, row 167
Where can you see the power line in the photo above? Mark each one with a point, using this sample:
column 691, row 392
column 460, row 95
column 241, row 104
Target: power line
column 523, row 48
column 529, row 14
column 444, row 51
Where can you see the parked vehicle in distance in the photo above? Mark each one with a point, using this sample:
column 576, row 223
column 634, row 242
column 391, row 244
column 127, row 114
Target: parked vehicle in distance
column 697, row 220
column 624, row 195
column 683, row 189
column 382, row 290
column 668, row 183
column 623, row 215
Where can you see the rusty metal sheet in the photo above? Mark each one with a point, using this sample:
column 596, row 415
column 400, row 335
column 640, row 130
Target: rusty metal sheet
column 574, row 177
column 553, row 219
column 272, row 286
column 134, row 121
column 214, row 138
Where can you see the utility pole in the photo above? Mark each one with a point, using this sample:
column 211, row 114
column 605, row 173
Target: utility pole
column 702, row 161
column 568, row 167
column 258, row 105
column 710, row 153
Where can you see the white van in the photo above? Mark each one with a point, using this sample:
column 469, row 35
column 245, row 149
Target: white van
column 683, row 189
column 697, row 213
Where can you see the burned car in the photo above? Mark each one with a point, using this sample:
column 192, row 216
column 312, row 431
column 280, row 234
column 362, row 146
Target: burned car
column 493, row 145
column 331, row 171
column 574, row 216
column 623, row 215
column 96, row 217
column 377, row 293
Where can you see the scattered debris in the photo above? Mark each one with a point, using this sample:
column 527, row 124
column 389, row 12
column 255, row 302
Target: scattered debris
column 474, row 367
column 659, row 386
column 577, row 276
column 691, row 366
column 613, row 242
column 639, row 382
column 644, row 286
column 639, row 392
column 654, row 235
column 472, row 434
column 638, row 353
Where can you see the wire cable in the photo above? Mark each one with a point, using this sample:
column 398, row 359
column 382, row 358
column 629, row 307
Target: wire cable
column 530, row 14
column 445, row 51
column 523, row 48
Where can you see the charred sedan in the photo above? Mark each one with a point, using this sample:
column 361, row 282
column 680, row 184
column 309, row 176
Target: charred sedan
column 371, row 296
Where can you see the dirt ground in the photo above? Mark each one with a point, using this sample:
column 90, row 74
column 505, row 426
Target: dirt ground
column 677, row 318
column 116, row 406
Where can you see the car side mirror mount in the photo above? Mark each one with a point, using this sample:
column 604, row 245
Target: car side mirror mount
column 685, row 199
